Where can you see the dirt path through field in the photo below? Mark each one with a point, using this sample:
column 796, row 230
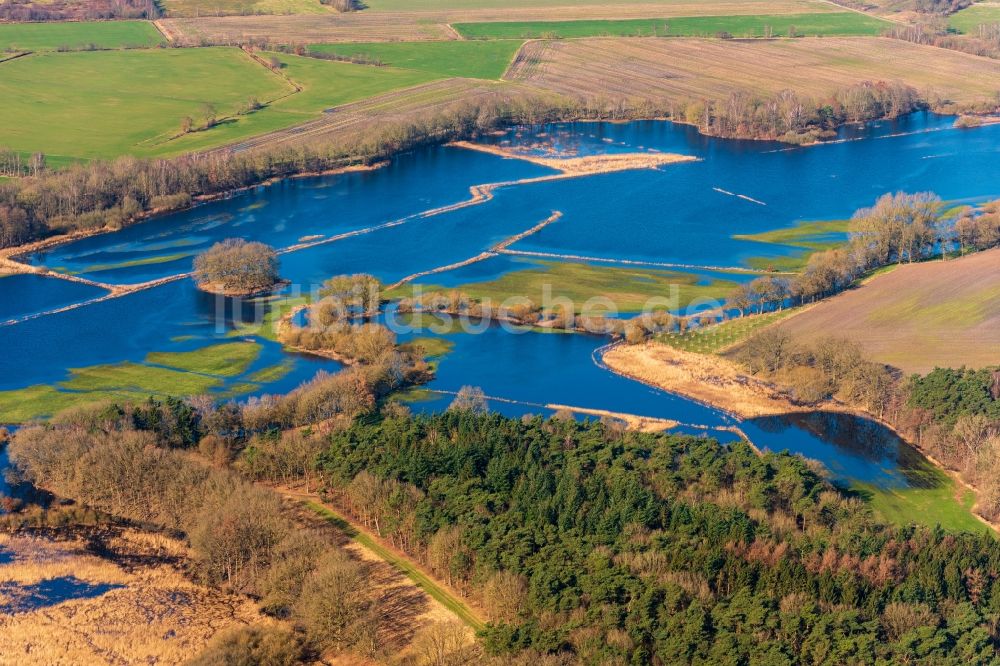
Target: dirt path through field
column 445, row 602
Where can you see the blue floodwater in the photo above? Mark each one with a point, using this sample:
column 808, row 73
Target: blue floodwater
column 27, row 294
column 286, row 212
column 681, row 213
column 851, row 448
column 174, row 317
column 26, row 598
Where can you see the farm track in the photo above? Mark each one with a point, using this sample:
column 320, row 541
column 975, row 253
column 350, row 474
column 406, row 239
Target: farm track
column 395, row 558
column 683, row 69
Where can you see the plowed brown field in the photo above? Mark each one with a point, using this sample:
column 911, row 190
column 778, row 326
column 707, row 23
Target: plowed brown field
column 682, row 69
column 945, row 313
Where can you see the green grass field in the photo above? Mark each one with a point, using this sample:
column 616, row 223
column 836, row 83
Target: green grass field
column 939, row 502
column 194, row 8
column 204, row 370
column 99, row 34
column 838, row 23
column 109, row 103
column 473, row 60
column 629, row 289
column 968, row 20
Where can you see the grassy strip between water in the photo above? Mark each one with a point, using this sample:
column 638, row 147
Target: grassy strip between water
column 431, row 347
column 78, row 35
column 423, row 581
column 835, row 23
column 162, row 374
column 473, row 60
column 719, row 337
column 134, row 263
column 591, row 288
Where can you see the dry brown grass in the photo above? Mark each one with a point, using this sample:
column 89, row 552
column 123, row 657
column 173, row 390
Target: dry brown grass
column 710, row 379
column 369, row 26
column 586, row 165
column 158, row 617
column 917, row 317
column 691, row 69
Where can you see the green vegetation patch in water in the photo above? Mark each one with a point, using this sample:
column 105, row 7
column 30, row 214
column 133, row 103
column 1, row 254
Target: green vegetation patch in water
column 629, row 289
column 226, row 360
column 163, row 374
column 809, row 236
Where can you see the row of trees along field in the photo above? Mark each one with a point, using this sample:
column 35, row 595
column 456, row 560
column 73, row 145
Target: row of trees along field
column 585, row 543
column 899, row 228
column 985, row 41
column 20, row 11
column 114, row 194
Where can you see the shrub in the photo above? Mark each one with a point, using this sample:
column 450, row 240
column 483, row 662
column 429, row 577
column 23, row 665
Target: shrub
column 235, row 266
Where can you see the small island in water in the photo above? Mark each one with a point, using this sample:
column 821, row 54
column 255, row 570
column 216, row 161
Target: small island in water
column 235, row 267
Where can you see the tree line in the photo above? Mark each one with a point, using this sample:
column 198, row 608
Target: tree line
column 23, row 11
column 899, row 228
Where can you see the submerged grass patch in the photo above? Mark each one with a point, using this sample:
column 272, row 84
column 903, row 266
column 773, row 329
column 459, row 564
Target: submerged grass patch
column 628, row 289
column 811, row 237
column 225, row 360
column 162, row 374
column 133, row 263
column 833, row 23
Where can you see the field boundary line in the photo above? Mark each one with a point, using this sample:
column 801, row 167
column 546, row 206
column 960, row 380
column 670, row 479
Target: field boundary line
column 162, row 29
